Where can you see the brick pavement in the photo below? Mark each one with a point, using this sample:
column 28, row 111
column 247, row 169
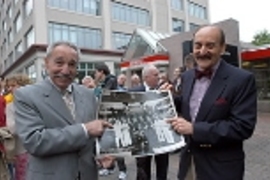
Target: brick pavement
column 257, row 155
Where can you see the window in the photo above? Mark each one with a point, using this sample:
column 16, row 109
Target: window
column 10, row 59
column 177, row 4
column 197, row 11
column 29, row 38
column 120, row 40
column 32, row 72
column 85, row 69
column 81, row 36
column 18, row 50
column 193, row 26
column 10, row 36
column 130, row 14
column 28, row 7
column 15, row 1
column 18, row 22
column 178, row 25
column 4, row 24
column 9, row 11
column 81, row 6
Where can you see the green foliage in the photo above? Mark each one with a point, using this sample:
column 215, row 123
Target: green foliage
column 261, row 38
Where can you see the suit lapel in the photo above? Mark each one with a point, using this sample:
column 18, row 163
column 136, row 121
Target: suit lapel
column 79, row 104
column 215, row 89
column 55, row 102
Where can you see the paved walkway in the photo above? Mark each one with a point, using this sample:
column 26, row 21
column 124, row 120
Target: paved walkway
column 257, row 155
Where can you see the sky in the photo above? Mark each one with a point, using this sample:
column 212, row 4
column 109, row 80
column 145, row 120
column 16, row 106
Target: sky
column 252, row 15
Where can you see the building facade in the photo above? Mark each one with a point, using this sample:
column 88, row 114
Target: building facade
column 90, row 24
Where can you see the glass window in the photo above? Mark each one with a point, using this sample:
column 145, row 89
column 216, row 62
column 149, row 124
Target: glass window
column 81, row 6
column 28, row 7
column 4, row 25
column 130, row 14
column 18, row 50
column 177, row 4
column 81, row 36
column 30, row 37
column 193, row 26
column 10, row 36
column 18, row 22
column 178, row 25
column 9, row 11
column 32, row 72
column 120, row 40
column 197, row 11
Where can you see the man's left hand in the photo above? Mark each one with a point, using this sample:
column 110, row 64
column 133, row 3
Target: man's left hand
column 181, row 126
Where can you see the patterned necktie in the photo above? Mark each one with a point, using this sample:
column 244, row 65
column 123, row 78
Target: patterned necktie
column 69, row 102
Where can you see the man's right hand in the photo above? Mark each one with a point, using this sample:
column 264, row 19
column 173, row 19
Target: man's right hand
column 97, row 127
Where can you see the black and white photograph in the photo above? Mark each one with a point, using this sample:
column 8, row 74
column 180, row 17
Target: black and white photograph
column 139, row 123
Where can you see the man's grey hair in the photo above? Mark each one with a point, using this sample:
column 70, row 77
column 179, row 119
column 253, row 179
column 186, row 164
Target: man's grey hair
column 147, row 69
column 60, row 43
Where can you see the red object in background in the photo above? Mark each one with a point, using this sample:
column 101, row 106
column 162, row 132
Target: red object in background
column 253, row 55
column 2, row 111
column 2, row 116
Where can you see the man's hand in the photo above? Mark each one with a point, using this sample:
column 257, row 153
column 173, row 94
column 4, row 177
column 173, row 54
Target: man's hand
column 106, row 161
column 181, row 126
column 97, row 127
column 165, row 87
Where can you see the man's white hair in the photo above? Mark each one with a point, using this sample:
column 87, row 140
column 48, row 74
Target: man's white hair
column 60, row 43
column 146, row 70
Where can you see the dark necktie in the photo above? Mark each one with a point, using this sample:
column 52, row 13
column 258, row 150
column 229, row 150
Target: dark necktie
column 206, row 73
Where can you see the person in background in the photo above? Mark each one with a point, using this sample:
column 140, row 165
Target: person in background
column 189, row 62
column 177, row 79
column 21, row 157
column 150, row 75
column 121, row 81
column 107, row 81
column 88, row 82
column 135, row 81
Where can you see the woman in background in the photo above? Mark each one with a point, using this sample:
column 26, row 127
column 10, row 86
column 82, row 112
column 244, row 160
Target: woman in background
column 21, row 158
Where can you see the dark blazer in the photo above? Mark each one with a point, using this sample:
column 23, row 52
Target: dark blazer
column 227, row 116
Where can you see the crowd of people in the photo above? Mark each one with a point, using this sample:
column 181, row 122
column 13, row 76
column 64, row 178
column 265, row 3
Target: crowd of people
column 54, row 123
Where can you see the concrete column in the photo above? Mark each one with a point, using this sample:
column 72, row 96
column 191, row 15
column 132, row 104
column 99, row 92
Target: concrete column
column 40, row 21
column 107, row 32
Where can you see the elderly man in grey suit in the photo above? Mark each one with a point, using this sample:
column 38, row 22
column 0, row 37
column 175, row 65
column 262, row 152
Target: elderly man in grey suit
column 56, row 121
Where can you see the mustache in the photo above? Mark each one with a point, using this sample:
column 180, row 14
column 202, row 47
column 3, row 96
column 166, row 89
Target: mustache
column 63, row 76
column 206, row 57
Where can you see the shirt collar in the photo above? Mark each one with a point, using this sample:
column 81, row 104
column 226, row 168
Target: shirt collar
column 214, row 68
column 69, row 88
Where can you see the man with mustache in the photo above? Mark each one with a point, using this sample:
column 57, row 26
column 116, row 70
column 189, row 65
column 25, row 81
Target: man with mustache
column 218, row 112
column 56, row 121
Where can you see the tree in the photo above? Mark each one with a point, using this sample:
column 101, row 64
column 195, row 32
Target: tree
column 261, row 38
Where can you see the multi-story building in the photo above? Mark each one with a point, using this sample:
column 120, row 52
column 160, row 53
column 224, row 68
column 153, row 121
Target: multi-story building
column 102, row 28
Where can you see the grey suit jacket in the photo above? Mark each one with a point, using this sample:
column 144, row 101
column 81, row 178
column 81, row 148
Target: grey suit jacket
column 59, row 147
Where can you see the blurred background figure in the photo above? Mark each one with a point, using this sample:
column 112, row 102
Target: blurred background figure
column 21, row 157
column 88, row 82
column 177, row 79
column 135, row 81
column 121, row 81
column 189, row 62
column 163, row 78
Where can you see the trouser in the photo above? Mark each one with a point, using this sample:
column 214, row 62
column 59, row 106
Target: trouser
column 4, row 174
column 121, row 164
column 144, row 167
column 191, row 174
